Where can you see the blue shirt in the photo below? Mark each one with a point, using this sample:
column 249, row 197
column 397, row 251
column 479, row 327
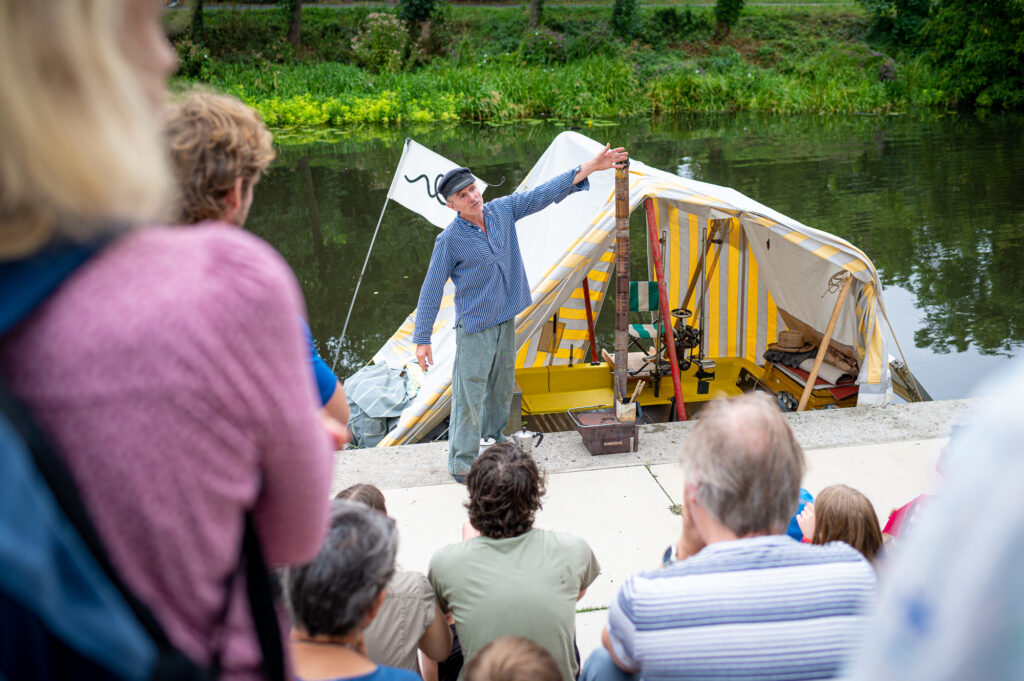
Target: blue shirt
column 382, row 673
column 486, row 267
column 325, row 379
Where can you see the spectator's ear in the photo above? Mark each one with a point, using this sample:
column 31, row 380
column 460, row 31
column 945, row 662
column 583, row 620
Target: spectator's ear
column 233, row 200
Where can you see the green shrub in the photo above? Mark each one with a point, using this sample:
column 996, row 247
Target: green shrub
column 591, row 39
column 671, row 24
column 626, row 19
column 900, row 21
column 542, row 46
column 727, row 13
column 721, row 60
column 979, row 49
column 415, row 11
column 381, row 43
column 193, row 59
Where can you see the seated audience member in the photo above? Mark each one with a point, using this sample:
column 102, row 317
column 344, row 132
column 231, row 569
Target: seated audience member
column 744, row 600
column 409, row 618
column 513, row 658
column 513, row 579
column 219, row 150
column 168, row 370
column 334, row 598
column 841, row 513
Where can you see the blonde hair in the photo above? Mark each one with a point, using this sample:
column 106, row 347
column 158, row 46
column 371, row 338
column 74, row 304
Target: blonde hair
column 842, row 513
column 214, row 139
column 81, row 140
column 513, row 658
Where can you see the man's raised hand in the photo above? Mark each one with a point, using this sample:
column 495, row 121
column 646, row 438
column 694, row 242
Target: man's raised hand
column 606, row 159
column 610, row 158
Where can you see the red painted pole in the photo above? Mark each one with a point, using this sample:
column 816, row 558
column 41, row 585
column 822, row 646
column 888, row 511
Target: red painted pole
column 670, row 340
column 590, row 320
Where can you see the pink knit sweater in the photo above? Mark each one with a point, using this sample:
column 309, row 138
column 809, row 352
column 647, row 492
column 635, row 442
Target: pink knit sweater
column 171, row 372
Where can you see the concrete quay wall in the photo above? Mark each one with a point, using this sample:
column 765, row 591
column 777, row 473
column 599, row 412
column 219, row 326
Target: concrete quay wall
column 427, row 464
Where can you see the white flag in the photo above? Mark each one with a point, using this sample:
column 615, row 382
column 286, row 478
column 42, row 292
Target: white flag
column 415, row 183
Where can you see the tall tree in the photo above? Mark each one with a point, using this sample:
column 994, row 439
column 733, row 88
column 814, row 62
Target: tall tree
column 625, row 18
column 418, row 13
column 292, row 10
column 536, row 7
column 727, row 13
column 196, row 30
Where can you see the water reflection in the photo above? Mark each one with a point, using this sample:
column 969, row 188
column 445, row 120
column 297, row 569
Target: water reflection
column 937, row 202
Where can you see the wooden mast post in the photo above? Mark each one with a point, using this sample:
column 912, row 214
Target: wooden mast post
column 621, row 280
column 825, row 340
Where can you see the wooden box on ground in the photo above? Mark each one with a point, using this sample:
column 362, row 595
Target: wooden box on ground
column 603, row 433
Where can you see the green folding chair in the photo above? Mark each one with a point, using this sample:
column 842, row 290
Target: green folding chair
column 643, row 297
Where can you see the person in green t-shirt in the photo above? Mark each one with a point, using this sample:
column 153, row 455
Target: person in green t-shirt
column 512, row 579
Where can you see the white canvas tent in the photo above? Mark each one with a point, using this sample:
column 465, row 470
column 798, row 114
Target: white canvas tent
column 773, row 272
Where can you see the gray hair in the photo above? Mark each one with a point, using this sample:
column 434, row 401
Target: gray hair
column 331, row 595
column 746, row 459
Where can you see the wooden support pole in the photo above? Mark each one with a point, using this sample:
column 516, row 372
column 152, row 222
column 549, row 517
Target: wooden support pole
column 590, row 321
column 621, row 280
column 825, row 340
column 666, row 318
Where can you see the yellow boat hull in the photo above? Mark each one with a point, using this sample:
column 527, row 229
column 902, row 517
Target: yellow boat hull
column 549, row 392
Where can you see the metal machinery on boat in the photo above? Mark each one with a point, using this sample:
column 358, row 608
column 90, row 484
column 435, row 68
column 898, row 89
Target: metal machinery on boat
column 727, row 277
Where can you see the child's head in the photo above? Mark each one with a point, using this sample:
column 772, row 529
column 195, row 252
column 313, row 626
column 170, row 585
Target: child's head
column 841, row 513
column 365, row 494
column 512, row 658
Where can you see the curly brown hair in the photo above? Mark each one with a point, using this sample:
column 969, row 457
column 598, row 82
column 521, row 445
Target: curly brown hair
column 214, row 139
column 505, row 489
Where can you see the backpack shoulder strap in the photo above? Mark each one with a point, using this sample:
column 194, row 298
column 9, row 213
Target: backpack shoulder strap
column 261, row 601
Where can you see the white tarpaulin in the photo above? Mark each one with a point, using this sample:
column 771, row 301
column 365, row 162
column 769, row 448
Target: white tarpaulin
column 771, row 269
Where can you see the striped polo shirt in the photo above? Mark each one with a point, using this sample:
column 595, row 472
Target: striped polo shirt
column 486, row 267
column 758, row 608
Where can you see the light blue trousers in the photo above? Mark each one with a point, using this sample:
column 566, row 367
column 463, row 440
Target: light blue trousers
column 601, row 667
column 481, row 390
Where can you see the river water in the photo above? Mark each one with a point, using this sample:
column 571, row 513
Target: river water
column 935, row 200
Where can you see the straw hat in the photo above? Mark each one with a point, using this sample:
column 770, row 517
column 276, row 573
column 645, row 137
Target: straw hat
column 791, row 340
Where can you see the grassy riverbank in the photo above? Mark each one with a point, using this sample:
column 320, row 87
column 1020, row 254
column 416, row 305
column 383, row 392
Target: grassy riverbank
column 486, row 64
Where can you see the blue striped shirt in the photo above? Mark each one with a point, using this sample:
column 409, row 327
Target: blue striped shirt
column 758, row 608
column 486, row 268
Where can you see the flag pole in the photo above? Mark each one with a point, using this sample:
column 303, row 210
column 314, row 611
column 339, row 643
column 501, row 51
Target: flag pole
column 344, row 328
column 337, row 350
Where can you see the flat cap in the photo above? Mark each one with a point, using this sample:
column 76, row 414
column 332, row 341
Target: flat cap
column 454, row 180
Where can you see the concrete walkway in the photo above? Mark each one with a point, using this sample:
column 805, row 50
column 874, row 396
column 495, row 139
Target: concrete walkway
column 623, row 504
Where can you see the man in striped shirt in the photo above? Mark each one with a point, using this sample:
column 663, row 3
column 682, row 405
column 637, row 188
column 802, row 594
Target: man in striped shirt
column 741, row 600
column 479, row 252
